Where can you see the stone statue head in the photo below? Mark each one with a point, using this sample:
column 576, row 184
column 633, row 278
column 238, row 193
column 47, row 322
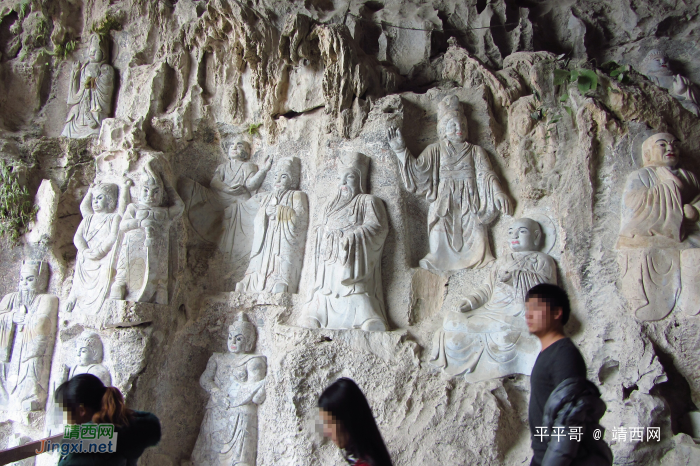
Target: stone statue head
column 353, row 174
column 104, row 197
column 152, row 192
column 98, row 51
column 33, row 276
column 288, row 173
column 89, row 346
column 525, row 234
column 661, row 150
column 238, row 149
column 241, row 335
column 656, row 63
column 452, row 124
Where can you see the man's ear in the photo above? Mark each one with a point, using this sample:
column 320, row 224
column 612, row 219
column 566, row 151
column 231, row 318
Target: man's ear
column 558, row 314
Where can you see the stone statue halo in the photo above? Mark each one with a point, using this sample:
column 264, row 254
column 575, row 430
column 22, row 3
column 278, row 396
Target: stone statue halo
column 549, row 230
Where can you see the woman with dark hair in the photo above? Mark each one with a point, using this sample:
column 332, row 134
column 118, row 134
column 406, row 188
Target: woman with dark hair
column 85, row 399
column 348, row 422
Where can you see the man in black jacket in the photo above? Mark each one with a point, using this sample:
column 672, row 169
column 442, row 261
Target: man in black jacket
column 564, row 407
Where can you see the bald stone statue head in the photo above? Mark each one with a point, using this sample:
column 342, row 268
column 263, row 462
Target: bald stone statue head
column 239, row 149
column 661, row 150
column 525, row 234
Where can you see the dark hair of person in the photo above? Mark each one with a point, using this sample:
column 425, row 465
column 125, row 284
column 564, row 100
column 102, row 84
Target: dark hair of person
column 89, row 391
column 554, row 296
column 345, row 401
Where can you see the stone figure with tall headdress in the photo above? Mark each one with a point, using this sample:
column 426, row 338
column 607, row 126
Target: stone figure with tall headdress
column 142, row 267
column 659, row 233
column 221, row 214
column 464, row 192
column 656, row 67
column 279, row 234
column 27, row 332
column 487, row 337
column 347, row 290
column 235, row 382
column 102, row 209
column 90, row 91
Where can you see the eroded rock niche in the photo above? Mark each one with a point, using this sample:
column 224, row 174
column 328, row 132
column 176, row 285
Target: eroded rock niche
column 239, row 202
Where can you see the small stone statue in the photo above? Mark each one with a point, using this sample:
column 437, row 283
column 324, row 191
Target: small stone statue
column 347, row 290
column 90, row 92
column 279, row 235
column 90, row 351
column 221, row 214
column 27, row 331
column 660, row 213
column 102, row 210
column 655, row 67
column 465, row 193
column 488, row 337
column 142, row 268
column 236, row 383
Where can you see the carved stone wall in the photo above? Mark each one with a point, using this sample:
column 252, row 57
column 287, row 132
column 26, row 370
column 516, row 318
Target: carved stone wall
column 147, row 224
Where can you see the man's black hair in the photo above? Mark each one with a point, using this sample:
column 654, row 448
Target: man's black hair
column 554, row 296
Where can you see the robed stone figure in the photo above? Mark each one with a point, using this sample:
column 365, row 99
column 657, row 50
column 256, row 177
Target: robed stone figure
column 347, row 290
column 464, row 192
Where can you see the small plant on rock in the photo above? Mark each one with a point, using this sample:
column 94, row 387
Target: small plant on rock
column 16, row 206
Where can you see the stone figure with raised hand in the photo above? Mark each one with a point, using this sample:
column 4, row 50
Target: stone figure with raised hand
column 142, row 267
column 102, row 209
column 27, row 331
column 235, row 382
column 656, row 67
column 659, row 233
column 347, row 290
column 90, row 353
column 90, row 91
column 222, row 215
column 279, row 234
column 465, row 193
column 487, row 337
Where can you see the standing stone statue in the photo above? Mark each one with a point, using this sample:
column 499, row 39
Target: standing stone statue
column 142, row 268
column 27, row 331
column 347, row 290
column 90, row 353
column 465, row 193
column 90, row 91
column 488, row 337
column 236, row 384
column 222, row 215
column 102, row 210
column 655, row 67
column 659, row 233
column 279, row 235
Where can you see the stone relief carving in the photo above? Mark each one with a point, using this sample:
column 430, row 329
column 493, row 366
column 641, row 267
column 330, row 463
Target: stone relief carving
column 90, row 91
column 222, row 214
column 27, row 331
column 236, row 384
column 487, row 337
column 347, row 290
column 102, row 209
column 656, row 67
column 279, row 235
column 142, row 267
column 89, row 358
column 659, row 231
column 465, row 193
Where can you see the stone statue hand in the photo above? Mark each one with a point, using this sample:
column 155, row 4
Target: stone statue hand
column 148, row 223
column 503, row 203
column 272, row 209
column 691, row 213
column 465, row 306
column 396, row 141
column 237, row 190
column 19, row 315
column 679, row 86
column 268, row 163
column 91, row 254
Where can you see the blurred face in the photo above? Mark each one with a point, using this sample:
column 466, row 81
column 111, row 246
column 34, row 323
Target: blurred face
column 333, row 429
column 349, row 183
column 28, row 281
column 151, row 195
column 100, row 202
column 522, row 237
column 236, row 342
column 455, row 130
column 664, row 151
column 540, row 317
column 85, row 355
column 283, row 181
column 238, row 150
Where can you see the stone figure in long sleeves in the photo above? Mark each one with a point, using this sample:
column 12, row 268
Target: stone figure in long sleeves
column 90, row 91
column 347, row 290
column 142, row 267
column 27, row 333
column 659, row 233
column 235, row 382
column 488, row 337
column 221, row 214
column 279, row 235
column 656, row 67
column 102, row 209
column 464, row 192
